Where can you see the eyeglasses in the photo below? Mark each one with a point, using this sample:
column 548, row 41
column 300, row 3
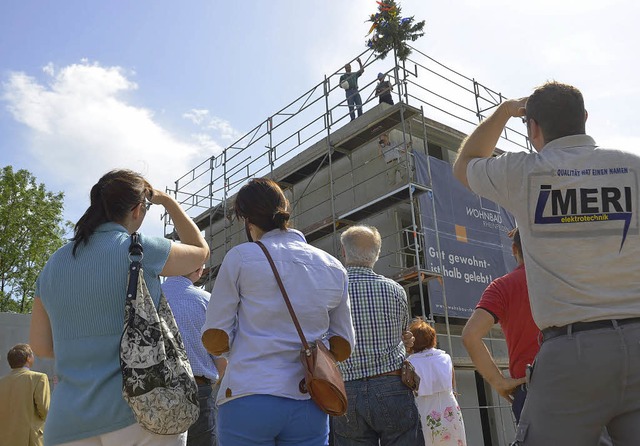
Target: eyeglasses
column 525, row 119
column 147, row 205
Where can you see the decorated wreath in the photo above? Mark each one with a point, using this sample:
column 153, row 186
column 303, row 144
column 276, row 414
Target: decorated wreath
column 391, row 31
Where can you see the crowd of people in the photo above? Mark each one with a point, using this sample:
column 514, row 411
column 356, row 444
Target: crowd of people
column 571, row 318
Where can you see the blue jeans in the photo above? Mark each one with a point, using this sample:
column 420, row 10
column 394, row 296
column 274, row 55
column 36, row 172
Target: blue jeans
column 354, row 101
column 203, row 431
column 381, row 411
column 256, row 420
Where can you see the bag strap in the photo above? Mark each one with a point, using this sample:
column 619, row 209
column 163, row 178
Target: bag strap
column 305, row 344
column 135, row 249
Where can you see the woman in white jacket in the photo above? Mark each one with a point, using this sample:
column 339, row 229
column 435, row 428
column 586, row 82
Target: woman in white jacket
column 260, row 399
column 439, row 410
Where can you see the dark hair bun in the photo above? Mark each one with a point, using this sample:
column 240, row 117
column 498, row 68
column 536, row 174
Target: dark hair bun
column 280, row 219
column 263, row 203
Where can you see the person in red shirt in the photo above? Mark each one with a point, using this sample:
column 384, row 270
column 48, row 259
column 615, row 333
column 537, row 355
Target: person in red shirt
column 505, row 301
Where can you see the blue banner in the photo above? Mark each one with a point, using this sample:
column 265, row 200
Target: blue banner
column 466, row 242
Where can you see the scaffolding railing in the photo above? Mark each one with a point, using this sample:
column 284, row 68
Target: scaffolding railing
column 454, row 99
column 447, row 96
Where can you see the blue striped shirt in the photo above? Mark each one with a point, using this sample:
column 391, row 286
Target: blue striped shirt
column 189, row 306
column 84, row 297
column 380, row 314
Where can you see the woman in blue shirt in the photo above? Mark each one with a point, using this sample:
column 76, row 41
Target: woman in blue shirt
column 260, row 399
column 78, row 311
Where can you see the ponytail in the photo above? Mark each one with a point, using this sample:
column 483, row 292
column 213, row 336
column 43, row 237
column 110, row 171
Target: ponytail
column 93, row 217
column 112, row 198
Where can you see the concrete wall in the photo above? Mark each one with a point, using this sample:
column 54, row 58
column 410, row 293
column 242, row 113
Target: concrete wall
column 357, row 180
column 14, row 329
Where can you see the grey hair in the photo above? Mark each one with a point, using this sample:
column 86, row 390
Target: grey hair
column 361, row 245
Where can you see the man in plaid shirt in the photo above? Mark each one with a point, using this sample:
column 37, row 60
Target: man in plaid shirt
column 381, row 408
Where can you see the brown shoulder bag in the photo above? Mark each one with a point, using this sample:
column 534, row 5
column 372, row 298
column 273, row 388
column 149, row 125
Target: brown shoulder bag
column 409, row 376
column 322, row 378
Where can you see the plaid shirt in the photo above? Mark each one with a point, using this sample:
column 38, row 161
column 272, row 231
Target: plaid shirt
column 380, row 314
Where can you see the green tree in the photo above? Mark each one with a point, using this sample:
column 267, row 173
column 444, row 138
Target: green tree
column 391, row 31
column 31, row 229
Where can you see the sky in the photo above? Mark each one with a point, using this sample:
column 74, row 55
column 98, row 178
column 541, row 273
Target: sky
column 160, row 86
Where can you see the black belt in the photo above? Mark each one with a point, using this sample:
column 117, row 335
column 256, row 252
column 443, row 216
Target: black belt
column 554, row 332
column 202, row 380
column 392, row 373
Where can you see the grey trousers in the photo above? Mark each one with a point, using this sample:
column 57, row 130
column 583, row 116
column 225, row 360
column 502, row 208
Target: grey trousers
column 581, row 383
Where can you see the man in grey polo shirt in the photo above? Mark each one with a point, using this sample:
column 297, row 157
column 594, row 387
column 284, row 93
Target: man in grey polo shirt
column 576, row 206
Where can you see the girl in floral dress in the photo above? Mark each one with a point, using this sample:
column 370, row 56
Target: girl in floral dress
column 440, row 414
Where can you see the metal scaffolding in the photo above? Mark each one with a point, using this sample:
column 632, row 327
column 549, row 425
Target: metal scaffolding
column 330, row 170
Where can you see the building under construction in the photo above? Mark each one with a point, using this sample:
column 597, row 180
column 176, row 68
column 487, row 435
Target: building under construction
column 335, row 173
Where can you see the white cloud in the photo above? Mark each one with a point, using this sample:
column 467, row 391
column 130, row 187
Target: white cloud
column 207, row 142
column 206, row 122
column 224, row 129
column 82, row 126
column 49, row 69
column 196, row 116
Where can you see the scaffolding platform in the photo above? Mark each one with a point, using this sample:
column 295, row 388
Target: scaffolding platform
column 399, row 195
column 413, row 275
column 323, row 227
column 380, row 119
